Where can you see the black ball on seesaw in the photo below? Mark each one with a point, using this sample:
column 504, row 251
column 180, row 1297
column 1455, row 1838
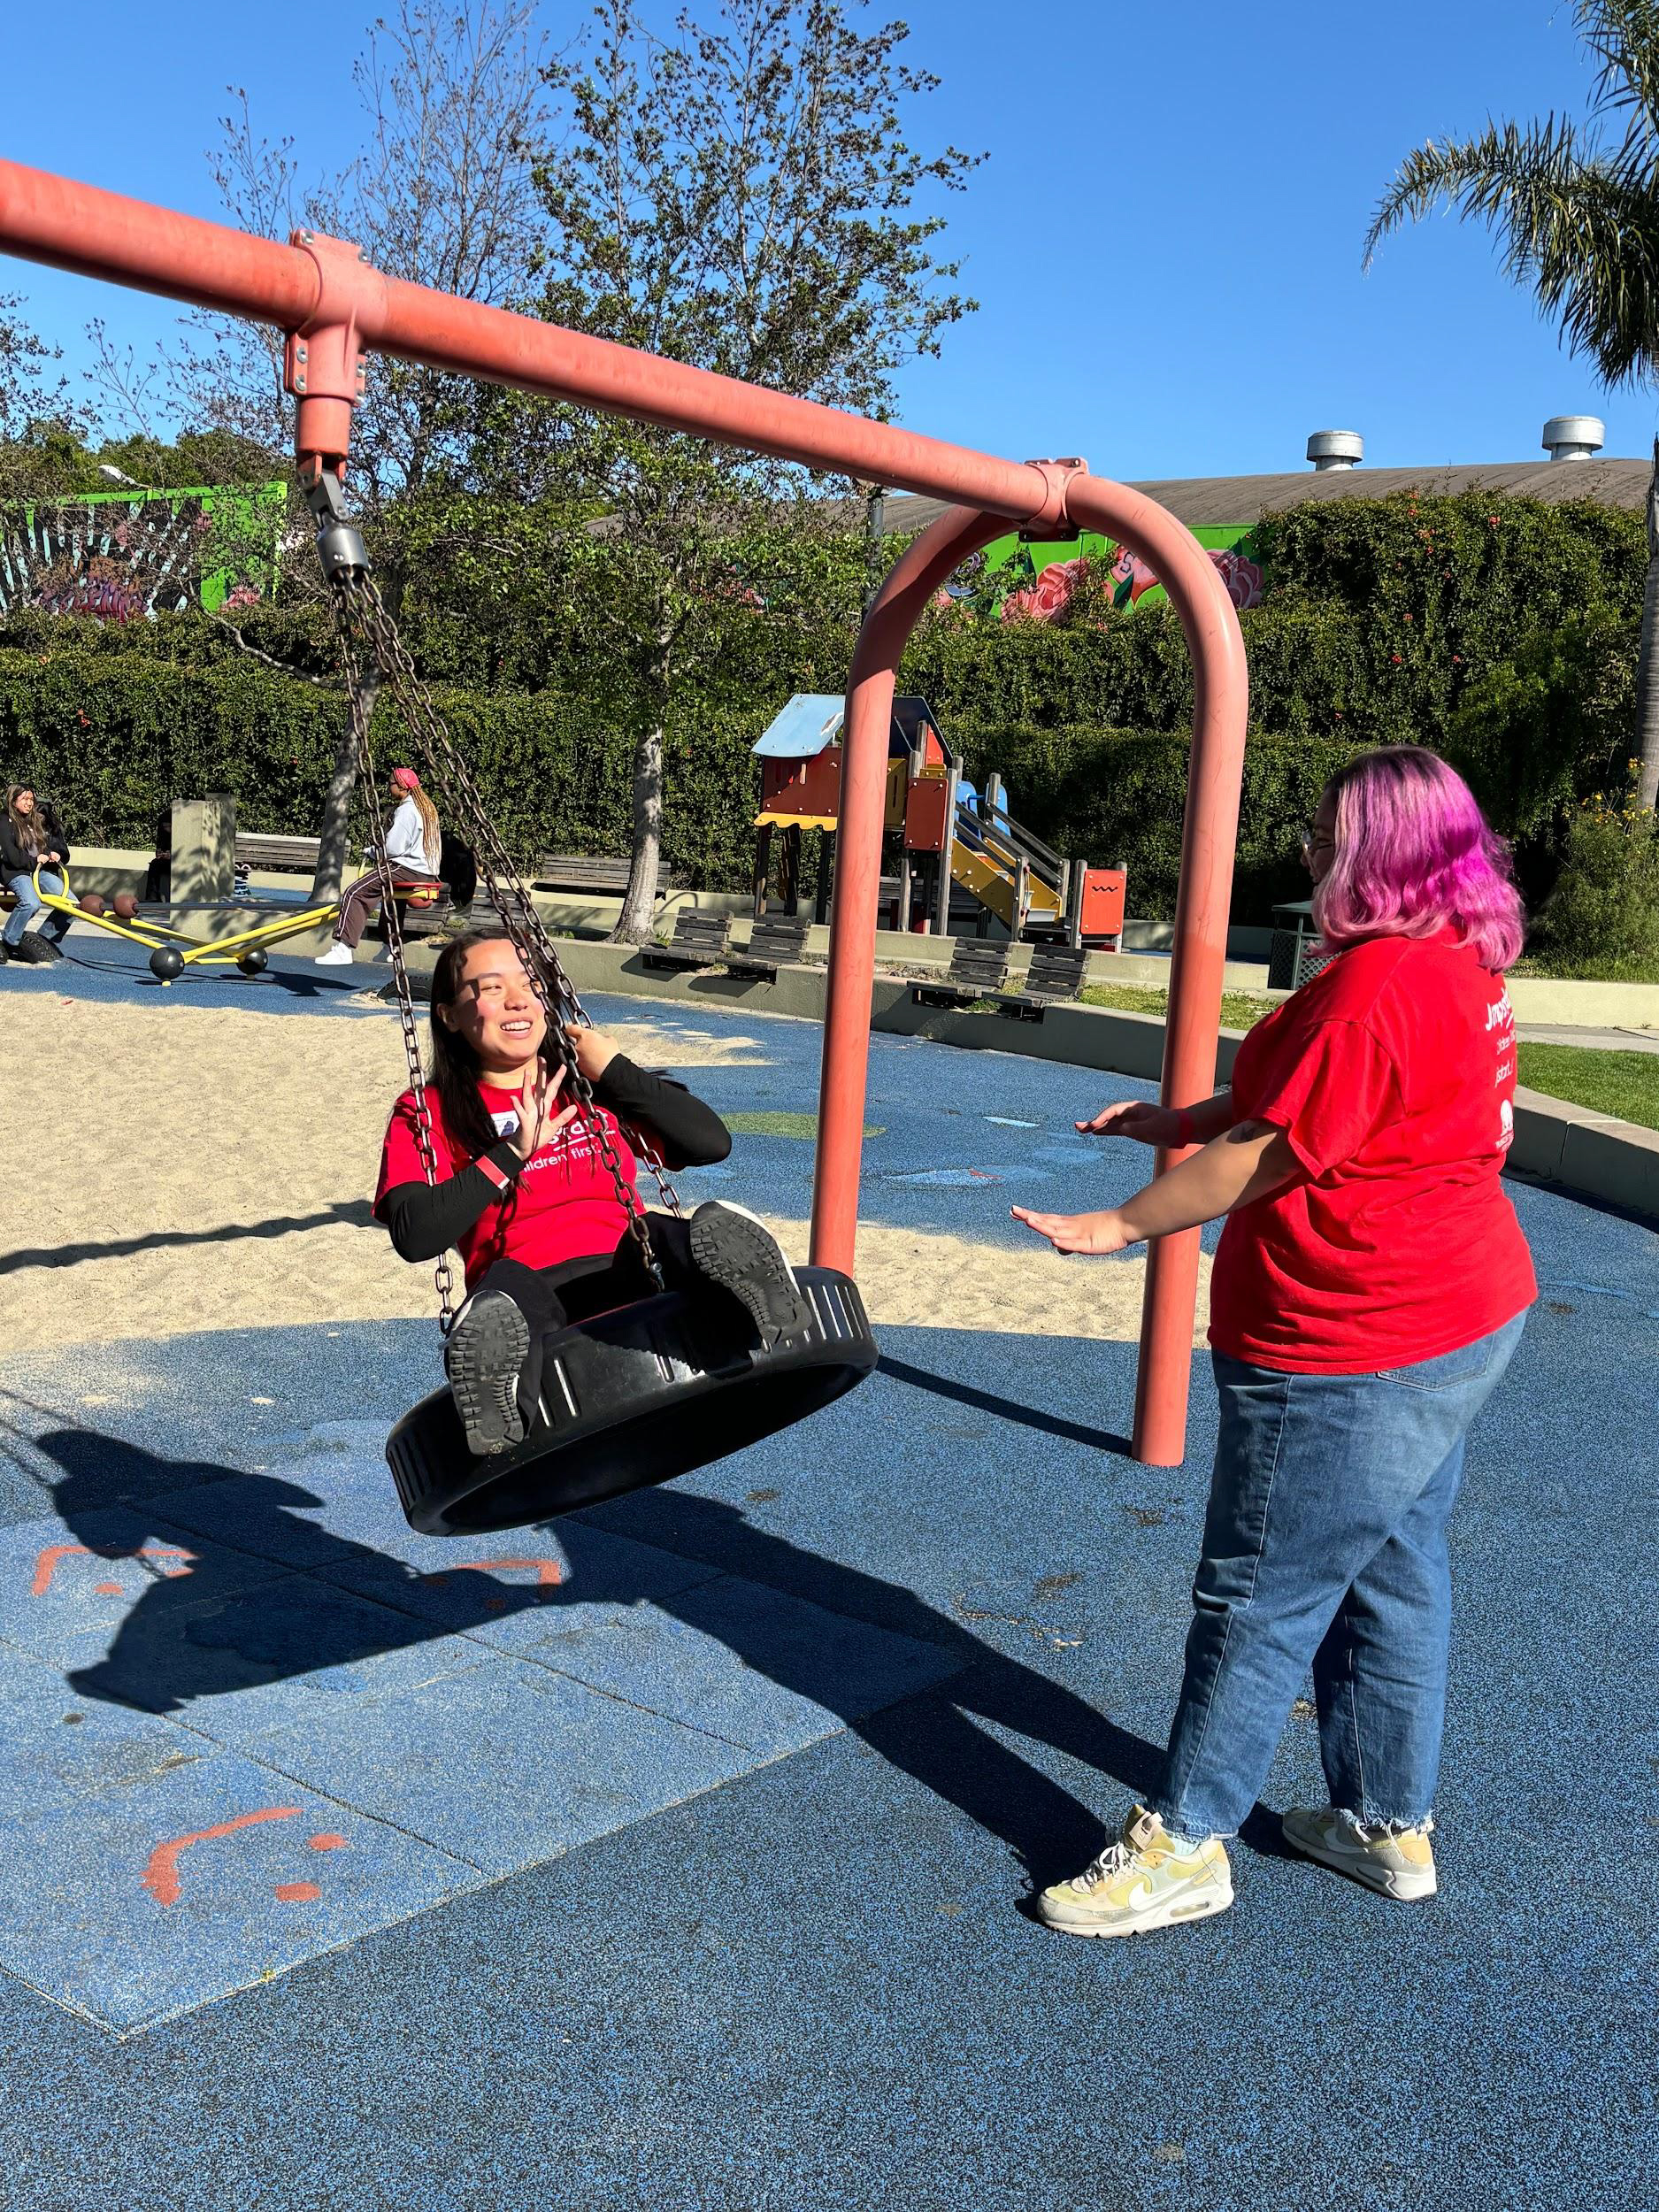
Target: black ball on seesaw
column 254, row 961
column 166, row 964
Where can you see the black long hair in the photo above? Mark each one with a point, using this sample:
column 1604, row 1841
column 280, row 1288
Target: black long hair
column 455, row 1072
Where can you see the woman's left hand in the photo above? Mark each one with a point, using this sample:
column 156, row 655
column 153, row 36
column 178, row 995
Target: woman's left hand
column 593, row 1050
column 1077, row 1233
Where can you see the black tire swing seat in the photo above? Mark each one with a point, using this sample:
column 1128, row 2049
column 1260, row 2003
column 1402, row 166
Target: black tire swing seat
column 630, row 1398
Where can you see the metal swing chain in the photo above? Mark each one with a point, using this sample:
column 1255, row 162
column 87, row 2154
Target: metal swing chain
column 363, row 608
column 443, row 1275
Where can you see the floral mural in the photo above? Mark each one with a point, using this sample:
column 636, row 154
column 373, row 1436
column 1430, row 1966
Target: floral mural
column 1040, row 594
column 122, row 560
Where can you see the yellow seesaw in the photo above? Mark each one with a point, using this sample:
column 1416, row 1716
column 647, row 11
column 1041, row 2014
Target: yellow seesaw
column 173, row 950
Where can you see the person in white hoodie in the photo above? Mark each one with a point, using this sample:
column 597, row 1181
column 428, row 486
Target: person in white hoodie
column 413, row 842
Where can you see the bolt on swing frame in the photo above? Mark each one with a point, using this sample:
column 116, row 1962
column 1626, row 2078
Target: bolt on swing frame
column 335, row 309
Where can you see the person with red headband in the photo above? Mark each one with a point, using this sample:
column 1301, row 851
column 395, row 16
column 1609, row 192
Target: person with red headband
column 413, row 844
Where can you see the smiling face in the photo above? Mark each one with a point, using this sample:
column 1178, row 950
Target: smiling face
column 495, row 1010
column 24, row 802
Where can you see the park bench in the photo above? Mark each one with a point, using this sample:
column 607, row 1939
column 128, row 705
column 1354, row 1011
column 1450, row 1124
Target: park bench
column 1056, row 972
column 597, row 873
column 978, row 969
column 700, row 940
column 776, row 941
column 295, row 855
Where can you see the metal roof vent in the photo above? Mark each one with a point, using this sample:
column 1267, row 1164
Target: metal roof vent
column 1336, row 450
column 1574, row 437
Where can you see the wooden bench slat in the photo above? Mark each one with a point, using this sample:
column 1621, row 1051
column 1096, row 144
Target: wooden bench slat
column 1056, row 970
column 296, row 853
column 593, row 872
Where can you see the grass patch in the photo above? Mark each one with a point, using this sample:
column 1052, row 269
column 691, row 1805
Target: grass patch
column 1540, row 964
column 802, row 1125
column 1240, row 1010
column 1625, row 1084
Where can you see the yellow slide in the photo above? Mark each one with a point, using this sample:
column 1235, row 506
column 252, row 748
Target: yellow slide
column 991, row 875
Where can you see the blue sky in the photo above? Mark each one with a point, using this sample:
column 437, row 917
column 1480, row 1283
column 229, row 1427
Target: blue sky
column 1165, row 238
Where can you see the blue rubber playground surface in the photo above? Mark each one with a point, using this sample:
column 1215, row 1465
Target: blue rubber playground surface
column 676, row 1854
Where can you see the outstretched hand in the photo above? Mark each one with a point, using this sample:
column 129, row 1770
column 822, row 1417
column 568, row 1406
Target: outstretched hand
column 540, row 1117
column 1134, row 1118
column 1077, row 1233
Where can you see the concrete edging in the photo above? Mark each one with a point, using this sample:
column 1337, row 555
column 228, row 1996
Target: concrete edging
column 1571, row 1148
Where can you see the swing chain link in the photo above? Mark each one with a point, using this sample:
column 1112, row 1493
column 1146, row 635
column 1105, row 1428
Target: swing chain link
column 361, row 613
column 356, row 692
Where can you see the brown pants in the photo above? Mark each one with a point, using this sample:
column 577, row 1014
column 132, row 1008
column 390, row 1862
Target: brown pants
column 358, row 900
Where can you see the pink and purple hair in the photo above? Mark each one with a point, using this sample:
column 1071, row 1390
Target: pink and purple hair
column 1414, row 856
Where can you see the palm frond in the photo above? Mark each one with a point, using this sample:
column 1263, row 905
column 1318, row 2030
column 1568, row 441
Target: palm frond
column 1580, row 231
column 1505, row 167
column 1623, row 37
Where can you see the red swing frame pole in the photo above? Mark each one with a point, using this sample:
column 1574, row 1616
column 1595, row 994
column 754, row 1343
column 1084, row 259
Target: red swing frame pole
column 335, row 309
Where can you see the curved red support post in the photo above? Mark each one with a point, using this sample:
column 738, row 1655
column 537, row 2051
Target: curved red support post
column 1221, row 693
column 1220, row 707
column 844, row 1070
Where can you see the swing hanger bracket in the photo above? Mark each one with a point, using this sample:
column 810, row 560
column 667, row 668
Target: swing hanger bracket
column 339, row 546
column 325, row 366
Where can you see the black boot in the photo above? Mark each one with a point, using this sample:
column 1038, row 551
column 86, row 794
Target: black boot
column 485, row 1356
column 737, row 1251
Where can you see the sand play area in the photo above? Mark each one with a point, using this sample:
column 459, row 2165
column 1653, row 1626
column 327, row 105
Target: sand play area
column 182, row 1169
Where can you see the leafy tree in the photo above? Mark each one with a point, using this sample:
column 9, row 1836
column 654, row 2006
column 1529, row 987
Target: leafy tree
column 1576, row 209
column 41, row 428
column 439, row 195
column 741, row 196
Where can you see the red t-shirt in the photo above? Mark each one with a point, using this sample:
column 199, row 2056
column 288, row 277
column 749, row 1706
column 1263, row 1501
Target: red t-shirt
column 563, row 1205
column 1393, row 1075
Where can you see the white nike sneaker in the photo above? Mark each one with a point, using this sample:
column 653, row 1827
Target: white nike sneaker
column 337, row 956
column 1396, row 1863
column 1146, row 1879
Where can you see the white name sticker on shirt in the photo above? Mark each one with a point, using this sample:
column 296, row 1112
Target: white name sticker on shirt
column 506, row 1124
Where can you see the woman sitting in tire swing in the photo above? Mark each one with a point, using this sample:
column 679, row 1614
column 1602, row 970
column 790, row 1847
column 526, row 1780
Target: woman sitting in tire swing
column 523, row 1192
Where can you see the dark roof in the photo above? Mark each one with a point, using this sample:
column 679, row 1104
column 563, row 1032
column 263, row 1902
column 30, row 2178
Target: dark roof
column 1198, row 500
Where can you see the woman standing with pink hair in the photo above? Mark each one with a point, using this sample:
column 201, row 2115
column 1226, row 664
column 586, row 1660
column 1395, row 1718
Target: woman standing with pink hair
column 1370, row 1287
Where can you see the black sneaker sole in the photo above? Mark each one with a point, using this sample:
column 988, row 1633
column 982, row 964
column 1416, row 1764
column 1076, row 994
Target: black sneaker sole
column 740, row 1255
column 485, row 1356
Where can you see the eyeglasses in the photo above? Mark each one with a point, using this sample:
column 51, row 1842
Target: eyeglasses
column 1315, row 841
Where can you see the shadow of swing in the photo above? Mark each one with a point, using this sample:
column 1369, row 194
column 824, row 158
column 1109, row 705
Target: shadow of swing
column 173, row 1651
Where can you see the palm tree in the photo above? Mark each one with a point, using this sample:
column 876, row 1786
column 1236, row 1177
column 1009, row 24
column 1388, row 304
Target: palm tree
column 1576, row 209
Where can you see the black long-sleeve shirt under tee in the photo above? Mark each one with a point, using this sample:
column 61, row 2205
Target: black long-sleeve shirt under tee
column 427, row 1219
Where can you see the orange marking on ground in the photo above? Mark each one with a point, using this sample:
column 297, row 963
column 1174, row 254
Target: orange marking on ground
column 161, row 1875
column 47, row 1562
column 548, row 1571
column 295, row 1892
column 328, row 1843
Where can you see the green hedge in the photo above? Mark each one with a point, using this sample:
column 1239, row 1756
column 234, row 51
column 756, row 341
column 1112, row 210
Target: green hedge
column 115, row 736
column 1111, row 795
column 1501, row 630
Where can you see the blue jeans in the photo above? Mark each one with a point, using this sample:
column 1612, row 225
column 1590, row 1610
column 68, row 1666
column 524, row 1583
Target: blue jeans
column 1324, row 1546
column 55, row 925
